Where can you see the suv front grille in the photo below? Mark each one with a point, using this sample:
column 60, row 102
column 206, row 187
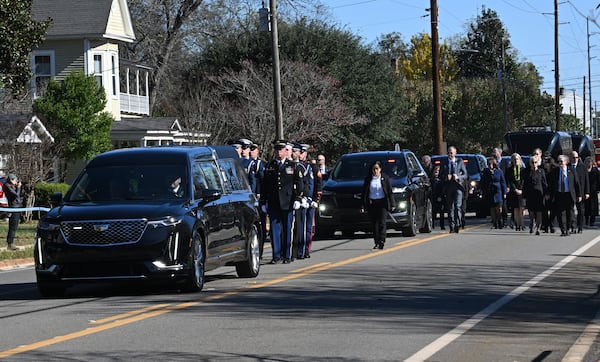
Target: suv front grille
column 103, row 232
column 349, row 201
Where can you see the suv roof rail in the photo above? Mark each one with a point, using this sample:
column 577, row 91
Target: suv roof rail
column 536, row 129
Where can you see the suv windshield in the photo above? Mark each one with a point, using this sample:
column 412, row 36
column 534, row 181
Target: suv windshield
column 115, row 183
column 357, row 168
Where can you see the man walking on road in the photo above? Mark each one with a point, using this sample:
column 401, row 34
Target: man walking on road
column 454, row 175
column 565, row 192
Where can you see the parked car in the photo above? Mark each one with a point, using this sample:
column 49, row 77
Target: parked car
column 3, row 199
column 475, row 163
column 164, row 214
column 341, row 202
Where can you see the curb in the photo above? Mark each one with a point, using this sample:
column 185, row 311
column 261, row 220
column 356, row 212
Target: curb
column 15, row 263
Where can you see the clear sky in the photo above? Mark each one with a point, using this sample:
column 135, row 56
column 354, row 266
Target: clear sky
column 530, row 24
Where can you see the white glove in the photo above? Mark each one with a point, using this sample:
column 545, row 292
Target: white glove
column 305, row 203
column 314, row 204
column 264, row 208
column 297, row 205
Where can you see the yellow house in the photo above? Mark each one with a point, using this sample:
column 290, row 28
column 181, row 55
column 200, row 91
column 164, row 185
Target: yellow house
column 85, row 36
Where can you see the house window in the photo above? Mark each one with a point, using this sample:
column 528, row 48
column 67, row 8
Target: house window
column 98, row 69
column 43, row 70
column 133, row 82
column 114, row 75
column 143, row 81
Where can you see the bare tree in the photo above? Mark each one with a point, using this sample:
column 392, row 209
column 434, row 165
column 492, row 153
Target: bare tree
column 240, row 104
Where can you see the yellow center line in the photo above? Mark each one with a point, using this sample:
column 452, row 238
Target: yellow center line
column 128, row 314
column 308, row 267
column 155, row 311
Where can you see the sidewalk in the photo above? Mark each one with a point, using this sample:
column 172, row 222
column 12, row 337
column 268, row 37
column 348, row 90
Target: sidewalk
column 15, row 263
column 8, row 264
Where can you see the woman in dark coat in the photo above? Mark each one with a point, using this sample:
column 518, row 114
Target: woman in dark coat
column 591, row 204
column 534, row 190
column 378, row 201
column 438, row 200
column 515, row 178
column 494, row 188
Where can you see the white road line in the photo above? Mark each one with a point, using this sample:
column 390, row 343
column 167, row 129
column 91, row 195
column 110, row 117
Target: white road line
column 440, row 343
column 583, row 344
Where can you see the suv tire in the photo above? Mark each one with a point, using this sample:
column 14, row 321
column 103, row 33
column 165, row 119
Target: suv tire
column 251, row 266
column 411, row 230
column 196, row 277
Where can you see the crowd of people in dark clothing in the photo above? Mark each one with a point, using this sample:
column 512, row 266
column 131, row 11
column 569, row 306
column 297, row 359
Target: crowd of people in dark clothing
column 559, row 192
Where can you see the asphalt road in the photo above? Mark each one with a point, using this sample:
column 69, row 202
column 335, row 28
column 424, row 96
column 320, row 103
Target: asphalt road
column 481, row 295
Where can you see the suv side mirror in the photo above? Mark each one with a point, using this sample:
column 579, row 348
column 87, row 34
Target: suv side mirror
column 210, row 194
column 56, row 199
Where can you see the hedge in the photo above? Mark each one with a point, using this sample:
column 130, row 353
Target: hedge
column 44, row 190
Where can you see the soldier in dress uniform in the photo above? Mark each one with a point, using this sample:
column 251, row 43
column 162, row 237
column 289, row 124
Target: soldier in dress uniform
column 281, row 192
column 237, row 146
column 299, row 225
column 256, row 173
column 245, row 153
column 314, row 198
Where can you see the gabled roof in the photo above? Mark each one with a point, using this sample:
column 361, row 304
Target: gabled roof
column 76, row 19
column 23, row 129
column 147, row 124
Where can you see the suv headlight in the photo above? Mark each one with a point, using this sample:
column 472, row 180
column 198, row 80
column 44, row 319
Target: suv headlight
column 48, row 226
column 327, row 193
column 398, row 190
column 168, row 221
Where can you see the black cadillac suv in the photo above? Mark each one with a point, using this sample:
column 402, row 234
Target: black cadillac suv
column 341, row 203
column 165, row 213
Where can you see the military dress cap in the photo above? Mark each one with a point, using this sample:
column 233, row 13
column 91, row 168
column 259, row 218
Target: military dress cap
column 253, row 146
column 244, row 142
column 235, row 144
column 296, row 146
column 279, row 144
column 305, row 147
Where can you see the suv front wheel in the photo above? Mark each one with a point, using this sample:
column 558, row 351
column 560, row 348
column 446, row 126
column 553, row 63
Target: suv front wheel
column 195, row 279
column 411, row 229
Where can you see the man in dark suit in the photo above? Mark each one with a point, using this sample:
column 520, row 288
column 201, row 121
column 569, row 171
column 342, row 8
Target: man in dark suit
column 565, row 191
column 584, row 182
column 281, row 191
column 454, row 175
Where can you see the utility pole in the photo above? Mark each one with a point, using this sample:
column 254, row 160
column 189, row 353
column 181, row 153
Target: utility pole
column 584, row 101
column 504, row 105
column 575, row 103
column 435, row 74
column 592, row 121
column 276, row 71
column 556, row 74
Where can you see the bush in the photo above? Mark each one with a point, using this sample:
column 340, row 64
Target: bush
column 44, row 190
